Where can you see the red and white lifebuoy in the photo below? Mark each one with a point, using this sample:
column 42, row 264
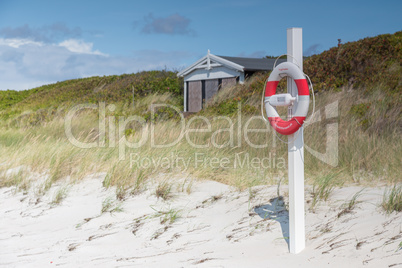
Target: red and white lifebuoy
column 302, row 101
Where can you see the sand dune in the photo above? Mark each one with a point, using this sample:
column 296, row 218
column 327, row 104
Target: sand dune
column 213, row 226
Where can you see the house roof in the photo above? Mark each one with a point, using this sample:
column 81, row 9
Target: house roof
column 254, row 64
column 237, row 63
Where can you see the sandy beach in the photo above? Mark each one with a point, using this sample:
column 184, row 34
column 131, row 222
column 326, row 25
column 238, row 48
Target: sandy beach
column 213, row 225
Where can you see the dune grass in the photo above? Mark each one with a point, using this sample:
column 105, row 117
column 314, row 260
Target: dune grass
column 60, row 195
column 351, row 204
column 323, row 187
column 110, row 205
column 392, row 199
column 211, row 147
column 164, row 190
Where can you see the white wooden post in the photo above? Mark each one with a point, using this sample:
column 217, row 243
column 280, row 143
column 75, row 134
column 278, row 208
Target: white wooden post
column 185, row 97
column 295, row 153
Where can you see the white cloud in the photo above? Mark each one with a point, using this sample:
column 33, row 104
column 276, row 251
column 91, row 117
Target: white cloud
column 80, row 46
column 26, row 64
column 16, row 43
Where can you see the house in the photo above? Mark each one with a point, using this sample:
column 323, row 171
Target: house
column 206, row 76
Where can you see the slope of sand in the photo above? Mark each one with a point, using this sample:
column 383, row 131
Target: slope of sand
column 217, row 227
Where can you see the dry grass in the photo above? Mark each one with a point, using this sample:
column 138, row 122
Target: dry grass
column 164, row 190
column 365, row 155
column 18, row 177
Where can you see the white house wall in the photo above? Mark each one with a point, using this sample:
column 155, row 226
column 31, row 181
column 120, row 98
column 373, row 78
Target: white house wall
column 214, row 73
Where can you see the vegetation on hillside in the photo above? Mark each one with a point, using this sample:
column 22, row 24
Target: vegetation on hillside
column 46, row 100
column 9, row 98
column 368, row 120
column 362, row 64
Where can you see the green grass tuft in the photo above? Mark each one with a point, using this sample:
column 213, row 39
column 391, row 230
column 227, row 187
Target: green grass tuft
column 323, row 187
column 392, row 199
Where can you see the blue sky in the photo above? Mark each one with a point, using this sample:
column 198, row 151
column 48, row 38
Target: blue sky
column 42, row 42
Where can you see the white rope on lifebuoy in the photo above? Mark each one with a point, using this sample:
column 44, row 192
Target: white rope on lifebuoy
column 302, row 100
